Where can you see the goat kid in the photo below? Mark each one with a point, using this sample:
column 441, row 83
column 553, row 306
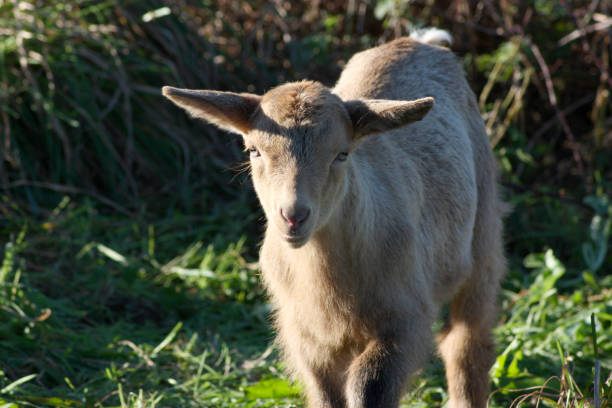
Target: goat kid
column 371, row 224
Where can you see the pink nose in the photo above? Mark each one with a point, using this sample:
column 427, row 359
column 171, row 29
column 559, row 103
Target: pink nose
column 296, row 216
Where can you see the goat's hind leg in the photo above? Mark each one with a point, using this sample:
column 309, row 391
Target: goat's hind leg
column 465, row 343
column 468, row 352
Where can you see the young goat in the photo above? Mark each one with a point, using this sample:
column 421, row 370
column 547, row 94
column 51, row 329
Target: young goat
column 372, row 224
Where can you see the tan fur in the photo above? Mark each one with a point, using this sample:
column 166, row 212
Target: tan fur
column 359, row 255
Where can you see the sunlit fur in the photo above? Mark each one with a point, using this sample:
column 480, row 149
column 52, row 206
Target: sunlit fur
column 410, row 220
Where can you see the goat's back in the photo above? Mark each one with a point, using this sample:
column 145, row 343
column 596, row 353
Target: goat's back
column 441, row 168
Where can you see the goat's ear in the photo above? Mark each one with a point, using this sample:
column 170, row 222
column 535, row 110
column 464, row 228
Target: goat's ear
column 227, row 110
column 379, row 115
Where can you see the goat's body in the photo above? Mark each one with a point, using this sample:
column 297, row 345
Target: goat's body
column 372, row 224
column 419, row 225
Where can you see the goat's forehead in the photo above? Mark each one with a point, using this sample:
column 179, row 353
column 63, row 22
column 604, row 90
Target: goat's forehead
column 302, row 139
column 300, row 103
column 301, row 117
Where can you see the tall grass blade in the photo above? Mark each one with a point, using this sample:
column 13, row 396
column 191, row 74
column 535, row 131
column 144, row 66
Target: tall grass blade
column 168, row 339
column 17, row 383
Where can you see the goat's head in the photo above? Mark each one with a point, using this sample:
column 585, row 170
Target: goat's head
column 300, row 137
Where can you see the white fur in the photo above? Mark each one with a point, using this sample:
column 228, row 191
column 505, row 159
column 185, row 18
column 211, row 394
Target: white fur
column 433, row 36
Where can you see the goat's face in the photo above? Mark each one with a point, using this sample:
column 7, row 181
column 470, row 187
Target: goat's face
column 300, row 137
column 299, row 143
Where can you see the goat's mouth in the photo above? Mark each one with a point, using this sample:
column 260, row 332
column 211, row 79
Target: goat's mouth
column 294, row 240
column 295, row 236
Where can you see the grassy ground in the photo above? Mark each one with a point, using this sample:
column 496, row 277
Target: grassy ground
column 129, row 250
column 104, row 310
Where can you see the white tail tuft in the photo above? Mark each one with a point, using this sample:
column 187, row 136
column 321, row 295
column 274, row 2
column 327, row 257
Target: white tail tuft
column 433, row 36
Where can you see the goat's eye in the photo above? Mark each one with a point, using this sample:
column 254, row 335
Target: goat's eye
column 342, row 156
column 253, row 152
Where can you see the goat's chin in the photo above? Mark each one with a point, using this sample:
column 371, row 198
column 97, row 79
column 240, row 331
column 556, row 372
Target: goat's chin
column 295, row 240
column 295, row 243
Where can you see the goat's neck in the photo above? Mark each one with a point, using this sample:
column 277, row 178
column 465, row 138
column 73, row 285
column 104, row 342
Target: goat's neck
column 345, row 227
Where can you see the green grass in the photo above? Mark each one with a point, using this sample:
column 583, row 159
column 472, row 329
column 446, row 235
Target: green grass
column 98, row 321
column 106, row 310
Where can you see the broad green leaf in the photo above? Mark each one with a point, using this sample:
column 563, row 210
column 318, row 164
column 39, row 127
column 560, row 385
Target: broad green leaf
column 272, row 388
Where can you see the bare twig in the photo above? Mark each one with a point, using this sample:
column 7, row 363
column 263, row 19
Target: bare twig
column 585, row 44
column 581, row 32
column 539, row 193
column 566, row 111
column 138, row 351
column 553, row 101
column 596, row 400
column 546, row 126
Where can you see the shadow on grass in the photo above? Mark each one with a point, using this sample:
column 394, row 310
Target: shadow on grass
column 104, row 310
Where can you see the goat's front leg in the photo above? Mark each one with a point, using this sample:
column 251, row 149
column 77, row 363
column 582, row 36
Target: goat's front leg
column 323, row 388
column 323, row 374
column 378, row 376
